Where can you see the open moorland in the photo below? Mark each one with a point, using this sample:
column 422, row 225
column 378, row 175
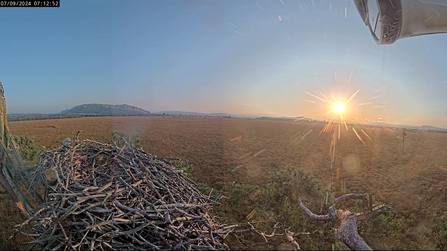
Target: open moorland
column 223, row 151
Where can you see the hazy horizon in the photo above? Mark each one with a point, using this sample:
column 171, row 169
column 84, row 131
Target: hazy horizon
column 244, row 115
column 237, row 57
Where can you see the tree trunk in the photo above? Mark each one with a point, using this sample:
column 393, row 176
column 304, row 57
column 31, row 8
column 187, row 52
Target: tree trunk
column 347, row 231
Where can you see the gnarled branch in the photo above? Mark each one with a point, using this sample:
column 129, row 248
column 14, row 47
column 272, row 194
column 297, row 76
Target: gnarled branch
column 347, row 232
column 312, row 215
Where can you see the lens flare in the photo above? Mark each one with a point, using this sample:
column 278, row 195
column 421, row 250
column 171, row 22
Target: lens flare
column 339, row 108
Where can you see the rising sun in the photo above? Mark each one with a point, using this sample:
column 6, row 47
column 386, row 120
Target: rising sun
column 339, row 108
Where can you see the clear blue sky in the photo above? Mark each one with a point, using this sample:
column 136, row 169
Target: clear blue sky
column 229, row 56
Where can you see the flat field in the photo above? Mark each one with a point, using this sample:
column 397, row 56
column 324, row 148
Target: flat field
column 412, row 180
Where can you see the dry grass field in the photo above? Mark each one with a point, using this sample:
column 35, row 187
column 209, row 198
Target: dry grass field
column 412, row 180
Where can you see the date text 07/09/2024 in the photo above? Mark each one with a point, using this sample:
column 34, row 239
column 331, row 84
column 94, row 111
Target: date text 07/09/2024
column 29, row 3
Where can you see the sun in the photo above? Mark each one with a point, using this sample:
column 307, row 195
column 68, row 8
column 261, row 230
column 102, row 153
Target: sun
column 339, row 108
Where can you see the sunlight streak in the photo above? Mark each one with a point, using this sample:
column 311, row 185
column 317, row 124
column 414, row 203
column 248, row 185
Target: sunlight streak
column 310, row 101
column 256, row 154
column 315, row 96
column 328, row 126
column 350, row 77
column 322, row 94
column 358, row 136
column 366, row 135
column 333, row 152
column 333, row 99
column 373, row 97
column 236, row 168
column 307, row 133
column 344, row 121
column 324, row 128
column 235, row 138
column 338, row 131
column 352, row 96
column 245, row 155
column 360, row 68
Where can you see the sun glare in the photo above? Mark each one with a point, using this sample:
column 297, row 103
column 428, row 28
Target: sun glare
column 339, row 108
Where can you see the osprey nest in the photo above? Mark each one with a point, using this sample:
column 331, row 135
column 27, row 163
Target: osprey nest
column 107, row 197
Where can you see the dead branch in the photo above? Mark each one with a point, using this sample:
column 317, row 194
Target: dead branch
column 326, row 217
column 289, row 236
column 347, row 231
column 107, row 197
column 291, row 240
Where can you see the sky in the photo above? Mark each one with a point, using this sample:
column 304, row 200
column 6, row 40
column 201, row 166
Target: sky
column 240, row 57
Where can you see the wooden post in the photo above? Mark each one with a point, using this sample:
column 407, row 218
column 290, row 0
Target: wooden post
column 365, row 204
column 404, row 134
column 11, row 193
column 22, row 202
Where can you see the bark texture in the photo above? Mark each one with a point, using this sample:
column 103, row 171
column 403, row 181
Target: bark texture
column 348, row 222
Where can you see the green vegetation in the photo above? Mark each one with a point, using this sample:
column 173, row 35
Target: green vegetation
column 27, row 148
column 186, row 167
column 439, row 231
column 277, row 202
column 119, row 137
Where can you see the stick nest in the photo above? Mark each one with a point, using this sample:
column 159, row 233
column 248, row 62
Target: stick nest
column 107, row 197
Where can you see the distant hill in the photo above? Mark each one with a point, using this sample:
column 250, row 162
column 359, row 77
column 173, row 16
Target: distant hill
column 433, row 128
column 106, row 110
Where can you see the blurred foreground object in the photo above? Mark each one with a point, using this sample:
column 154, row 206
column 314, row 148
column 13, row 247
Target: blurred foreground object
column 391, row 20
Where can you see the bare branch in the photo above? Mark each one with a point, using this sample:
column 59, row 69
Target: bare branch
column 376, row 211
column 312, row 215
column 347, row 231
column 291, row 240
column 258, row 232
column 348, row 197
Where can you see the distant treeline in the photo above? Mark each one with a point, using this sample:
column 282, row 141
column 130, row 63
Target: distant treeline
column 15, row 117
column 61, row 116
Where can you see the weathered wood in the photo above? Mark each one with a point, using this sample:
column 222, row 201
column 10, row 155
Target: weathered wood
column 4, row 183
column 348, row 222
column 312, row 215
column 107, row 194
column 24, row 201
column 347, row 231
column 12, row 169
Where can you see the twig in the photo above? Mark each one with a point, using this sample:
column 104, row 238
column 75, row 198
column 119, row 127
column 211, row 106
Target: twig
column 107, row 197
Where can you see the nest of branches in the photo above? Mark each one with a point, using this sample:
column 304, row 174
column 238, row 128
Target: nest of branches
column 107, row 197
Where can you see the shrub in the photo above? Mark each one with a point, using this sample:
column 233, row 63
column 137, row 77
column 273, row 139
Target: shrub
column 119, row 137
column 278, row 202
column 27, row 148
column 186, row 167
column 439, row 231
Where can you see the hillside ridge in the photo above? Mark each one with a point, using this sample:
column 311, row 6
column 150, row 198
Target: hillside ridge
column 107, row 110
